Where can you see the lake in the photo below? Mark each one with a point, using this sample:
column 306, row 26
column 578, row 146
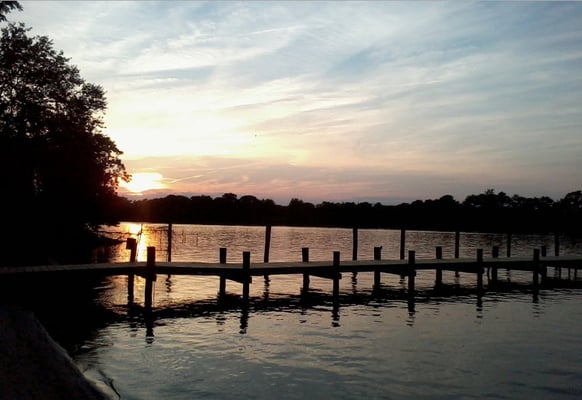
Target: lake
column 508, row 343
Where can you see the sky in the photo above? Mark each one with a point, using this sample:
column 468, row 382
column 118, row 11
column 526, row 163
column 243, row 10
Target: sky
column 380, row 101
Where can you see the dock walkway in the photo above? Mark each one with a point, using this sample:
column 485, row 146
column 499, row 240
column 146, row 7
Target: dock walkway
column 243, row 272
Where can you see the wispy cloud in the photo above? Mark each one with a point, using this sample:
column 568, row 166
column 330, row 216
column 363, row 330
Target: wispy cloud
column 404, row 98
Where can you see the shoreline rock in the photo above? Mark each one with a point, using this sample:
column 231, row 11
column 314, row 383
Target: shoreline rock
column 34, row 366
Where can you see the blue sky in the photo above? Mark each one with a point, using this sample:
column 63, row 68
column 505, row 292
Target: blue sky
column 342, row 101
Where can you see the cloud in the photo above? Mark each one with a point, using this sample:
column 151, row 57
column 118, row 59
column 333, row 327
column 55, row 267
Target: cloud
column 414, row 97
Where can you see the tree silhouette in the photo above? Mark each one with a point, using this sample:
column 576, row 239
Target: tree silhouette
column 60, row 172
column 6, row 7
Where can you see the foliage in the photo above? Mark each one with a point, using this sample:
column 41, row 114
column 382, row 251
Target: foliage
column 486, row 212
column 6, row 7
column 57, row 166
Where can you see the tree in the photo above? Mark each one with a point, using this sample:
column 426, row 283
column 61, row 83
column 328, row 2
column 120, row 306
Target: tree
column 8, row 6
column 55, row 163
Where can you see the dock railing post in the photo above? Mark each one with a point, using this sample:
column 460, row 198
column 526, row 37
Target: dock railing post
column 536, row 268
column 131, row 245
column 336, row 273
column 556, row 244
column 439, row 271
column 508, row 249
column 150, row 276
column 354, row 244
column 402, row 243
column 170, row 242
column 377, row 257
column 267, row 243
column 411, row 272
column 543, row 251
column 494, row 254
column 267, row 248
column 457, row 248
column 246, row 273
column 480, row 270
column 222, row 260
column 305, row 259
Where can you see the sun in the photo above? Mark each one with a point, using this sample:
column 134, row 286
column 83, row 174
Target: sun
column 142, row 182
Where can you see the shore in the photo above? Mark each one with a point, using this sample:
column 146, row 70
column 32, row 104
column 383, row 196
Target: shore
column 34, row 366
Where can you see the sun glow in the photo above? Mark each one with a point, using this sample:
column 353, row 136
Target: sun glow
column 143, row 181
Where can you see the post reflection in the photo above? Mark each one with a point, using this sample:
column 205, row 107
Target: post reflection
column 244, row 316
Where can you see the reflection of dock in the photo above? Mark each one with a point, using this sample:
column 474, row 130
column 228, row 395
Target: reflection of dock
column 332, row 270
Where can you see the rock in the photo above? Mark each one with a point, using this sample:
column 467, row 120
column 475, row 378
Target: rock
column 33, row 366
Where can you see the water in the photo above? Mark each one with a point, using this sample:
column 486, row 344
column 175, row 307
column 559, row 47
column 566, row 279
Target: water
column 509, row 343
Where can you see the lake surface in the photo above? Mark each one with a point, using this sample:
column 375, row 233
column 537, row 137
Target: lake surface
column 508, row 343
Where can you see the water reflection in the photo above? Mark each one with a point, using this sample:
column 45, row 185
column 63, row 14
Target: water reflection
column 201, row 242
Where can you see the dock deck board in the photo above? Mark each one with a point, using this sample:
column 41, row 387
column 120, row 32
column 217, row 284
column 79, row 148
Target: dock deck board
column 296, row 267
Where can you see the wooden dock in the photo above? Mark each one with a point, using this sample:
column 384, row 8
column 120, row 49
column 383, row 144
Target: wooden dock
column 332, row 270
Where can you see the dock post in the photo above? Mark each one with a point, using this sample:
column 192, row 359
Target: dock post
column 305, row 258
column 439, row 271
column 131, row 245
column 536, row 268
column 354, row 244
column 543, row 251
column 411, row 272
column 494, row 254
column 402, row 243
column 480, row 270
column 150, row 276
column 267, row 248
column 508, row 250
column 556, row 244
column 170, row 242
column 457, row 248
column 246, row 274
column 267, row 243
column 336, row 273
column 377, row 257
column 222, row 260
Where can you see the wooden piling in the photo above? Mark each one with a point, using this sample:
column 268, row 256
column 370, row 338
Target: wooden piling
column 150, row 276
column 508, row 247
column 536, row 267
column 336, row 276
column 222, row 260
column 543, row 251
column 267, row 243
column 354, row 244
column 556, row 244
column 439, row 271
column 170, row 242
column 246, row 273
column 131, row 244
column 494, row 254
column 402, row 243
column 457, row 248
column 377, row 257
column 479, row 270
column 411, row 272
column 305, row 258
column 305, row 254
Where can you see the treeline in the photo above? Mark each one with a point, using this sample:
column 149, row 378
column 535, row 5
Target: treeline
column 486, row 212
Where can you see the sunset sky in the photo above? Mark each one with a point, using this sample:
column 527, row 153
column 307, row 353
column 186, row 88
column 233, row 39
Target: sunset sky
column 341, row 101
